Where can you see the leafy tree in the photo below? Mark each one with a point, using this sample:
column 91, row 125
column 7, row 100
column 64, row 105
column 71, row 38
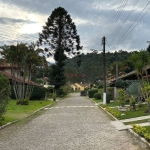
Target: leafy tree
column 148, row 49
column 140, row 61
column 23, row 60
column 59, row 35
column 146, row 94
column 4, row 94
column 122, row 97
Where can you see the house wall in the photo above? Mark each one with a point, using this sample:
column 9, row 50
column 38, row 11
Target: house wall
column 77, row 87
column 17, row 72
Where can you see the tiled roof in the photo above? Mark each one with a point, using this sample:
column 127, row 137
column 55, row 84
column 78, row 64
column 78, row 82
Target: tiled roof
column 12, row 77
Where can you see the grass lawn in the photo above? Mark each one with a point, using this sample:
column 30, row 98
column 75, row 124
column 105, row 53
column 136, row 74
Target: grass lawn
column 18, row 112
column 112, row 104
column 132, row 114
column 97, row 101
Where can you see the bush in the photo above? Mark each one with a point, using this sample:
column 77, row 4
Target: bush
column 4, row 96
column 12, row 93
column 92, row 92
column 97, row 96
column 122, row 97
column 142, row 131
column 116, row 114
column 61, row 93
column 38, row 93
column 147, row 136
column 23, row 102
column 110, row 92
column 108, row 98
column 100, row 86
column 139, row 130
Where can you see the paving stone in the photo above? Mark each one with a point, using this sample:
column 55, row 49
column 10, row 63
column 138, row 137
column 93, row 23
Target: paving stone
column 75, row 123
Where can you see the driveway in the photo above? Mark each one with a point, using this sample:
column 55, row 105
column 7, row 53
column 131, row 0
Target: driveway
column 74, row 123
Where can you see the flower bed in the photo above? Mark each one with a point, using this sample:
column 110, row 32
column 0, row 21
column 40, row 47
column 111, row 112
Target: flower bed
column 142, row 131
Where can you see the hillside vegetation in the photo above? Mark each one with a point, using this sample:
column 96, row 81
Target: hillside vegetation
column 91, row 65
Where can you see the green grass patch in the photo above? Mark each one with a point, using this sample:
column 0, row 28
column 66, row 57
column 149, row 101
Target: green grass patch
column 147, row 128
column 97, row 100
column 132, row 114
column 18, row 112
column 112, row 104
column 140, row 111
column 136, row 122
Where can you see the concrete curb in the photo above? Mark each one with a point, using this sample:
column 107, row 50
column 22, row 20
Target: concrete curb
column 130, row 130
column 139, row 137
column 10, row 123
column 104, row 110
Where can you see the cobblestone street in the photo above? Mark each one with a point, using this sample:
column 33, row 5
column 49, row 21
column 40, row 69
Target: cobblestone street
column 75, row 123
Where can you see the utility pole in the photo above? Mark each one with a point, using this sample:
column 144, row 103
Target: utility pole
column 148, row 48
column 104, row 71
column 116, row 55
column 115, row 89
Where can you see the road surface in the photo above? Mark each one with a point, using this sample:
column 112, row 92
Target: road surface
column 74, row 123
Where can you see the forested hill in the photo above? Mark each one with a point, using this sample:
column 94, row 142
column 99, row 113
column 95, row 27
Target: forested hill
column 92, row 65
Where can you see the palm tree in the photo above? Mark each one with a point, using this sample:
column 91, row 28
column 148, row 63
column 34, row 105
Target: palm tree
column 23, row 60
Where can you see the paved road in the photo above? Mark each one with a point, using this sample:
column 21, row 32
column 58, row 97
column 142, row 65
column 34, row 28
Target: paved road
column 73, row 124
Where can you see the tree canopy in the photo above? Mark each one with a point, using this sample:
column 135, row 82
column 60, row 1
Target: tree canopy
column 23, row 60
column 60, row 38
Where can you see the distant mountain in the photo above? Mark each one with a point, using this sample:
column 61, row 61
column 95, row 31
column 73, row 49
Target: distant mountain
column 91, row 65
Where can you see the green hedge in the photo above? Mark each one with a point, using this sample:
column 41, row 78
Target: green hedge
column 108, row 98
column 4, row 95
column 61, row 93
column 92, row 92
column 97, row 96
column 38, row 93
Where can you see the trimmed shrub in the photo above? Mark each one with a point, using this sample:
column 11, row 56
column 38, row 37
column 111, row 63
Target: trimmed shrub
column 92, row 92
column 147, row 136
column 139, row 130
column 38, row 93
column 23, row 102
column 108, row 98
column 97, row 96
column 142, row 131
column 100, row 86
column 116, row 114
column 110, row 91
column 61, row 93
column 4, row 96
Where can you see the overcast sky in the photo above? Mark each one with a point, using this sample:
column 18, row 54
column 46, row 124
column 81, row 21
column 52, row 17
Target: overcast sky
column 125, row 23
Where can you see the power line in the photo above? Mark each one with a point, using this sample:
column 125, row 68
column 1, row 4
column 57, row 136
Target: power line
column 5, row 30
column 127, row 33
column 116, row 17
column 118, row 31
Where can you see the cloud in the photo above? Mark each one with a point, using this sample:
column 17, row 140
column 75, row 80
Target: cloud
column 4, row 20
column 93, row 20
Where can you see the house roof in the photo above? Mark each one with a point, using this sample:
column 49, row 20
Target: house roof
column 12, row 77
column 130, row 75
column 127, row 75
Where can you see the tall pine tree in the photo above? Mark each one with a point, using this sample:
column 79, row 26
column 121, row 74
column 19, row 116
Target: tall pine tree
column 60, row 38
